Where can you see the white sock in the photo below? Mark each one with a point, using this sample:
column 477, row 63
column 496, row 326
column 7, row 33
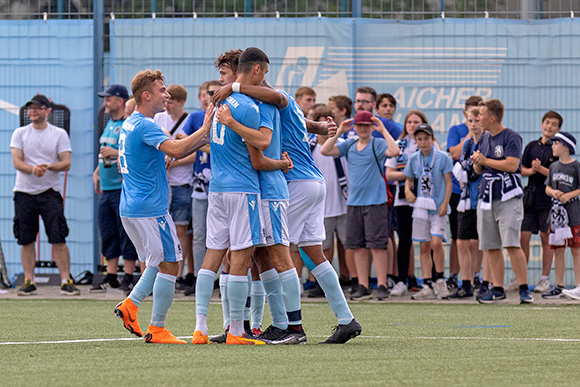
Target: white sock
column 201, row 323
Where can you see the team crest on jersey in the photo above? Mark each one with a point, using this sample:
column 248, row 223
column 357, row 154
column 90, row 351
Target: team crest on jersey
column 252, row 204
column 117, row 130
column 275, row 205
column 498, row 151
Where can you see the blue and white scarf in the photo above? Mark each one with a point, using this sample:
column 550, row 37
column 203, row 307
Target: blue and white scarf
column 559, row 224
column 425, row 201
column 511, row 187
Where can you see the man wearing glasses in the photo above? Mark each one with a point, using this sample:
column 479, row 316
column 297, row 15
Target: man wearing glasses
column 40, row 151
column 366, row 99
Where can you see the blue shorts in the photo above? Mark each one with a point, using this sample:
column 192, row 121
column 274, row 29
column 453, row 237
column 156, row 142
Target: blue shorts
column 180, row 206
column 114, row 239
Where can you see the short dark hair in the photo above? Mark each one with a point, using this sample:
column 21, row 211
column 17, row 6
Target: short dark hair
column 342, row 102
column 388, row 96
column 250, row 57
column 321, row 110
column 495, row 107
column 214, row 82
column 367, row 90
column 554, row 115
column 230, row 58
column 474, row 101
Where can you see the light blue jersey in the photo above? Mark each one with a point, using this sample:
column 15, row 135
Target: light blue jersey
column 366, row 186
column 441, row 166
column 145, row 189
column 272, row 183
column 295, row 142
column 110, row 176
column 231, row 167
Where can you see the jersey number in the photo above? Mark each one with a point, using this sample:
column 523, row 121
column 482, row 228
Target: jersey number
column 217, row 134
column 122, row 158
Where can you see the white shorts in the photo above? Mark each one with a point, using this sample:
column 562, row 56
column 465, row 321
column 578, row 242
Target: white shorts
column 155, row 239
column 275, row 215
column 306, row 212
column 234, row 220
column 423, row 229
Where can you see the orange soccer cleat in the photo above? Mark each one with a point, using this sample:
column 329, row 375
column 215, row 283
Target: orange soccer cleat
column 244, row 339
column 199, row 338
column 126, row 310
column 161, row 336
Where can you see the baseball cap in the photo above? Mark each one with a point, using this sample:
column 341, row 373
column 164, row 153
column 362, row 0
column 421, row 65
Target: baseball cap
column 425, row 128
column 363, row 118
column 567, row 139
column 39, row 100
column 116, row 90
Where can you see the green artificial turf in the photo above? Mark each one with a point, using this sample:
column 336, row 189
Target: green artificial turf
column 401, row 344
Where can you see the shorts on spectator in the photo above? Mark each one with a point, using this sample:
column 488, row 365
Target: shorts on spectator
column 424, row 230
column 334, row 225
column 114, row 240
column 234, row 220
column 28, row 208
column 467, row 225
column 180, row 206
column 501, row 226
column 275, row 215
column 573, row 242
column 306, row 212
column 367, row 227
column 155, row 239
column 453, row 203
column 536, row 221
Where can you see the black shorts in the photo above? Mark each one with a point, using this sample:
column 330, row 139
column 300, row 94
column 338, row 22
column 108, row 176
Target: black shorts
column 28, row 208
column 367, row 227
column 536, row 221
column 467, row 225
column 453, row 202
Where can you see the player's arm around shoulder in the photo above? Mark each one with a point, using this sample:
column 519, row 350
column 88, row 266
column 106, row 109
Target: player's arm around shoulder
column 260, row 138
column 188, row 145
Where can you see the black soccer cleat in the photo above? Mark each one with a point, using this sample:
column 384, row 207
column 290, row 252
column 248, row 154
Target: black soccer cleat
column 343, row 333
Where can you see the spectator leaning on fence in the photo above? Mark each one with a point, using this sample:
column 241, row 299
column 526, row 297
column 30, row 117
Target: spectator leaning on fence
column 500, row 210
column 40, row 151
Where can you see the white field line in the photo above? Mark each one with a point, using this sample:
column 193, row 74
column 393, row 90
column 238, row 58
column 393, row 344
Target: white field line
column 317, row 336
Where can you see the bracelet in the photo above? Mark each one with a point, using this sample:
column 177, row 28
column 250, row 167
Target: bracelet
column 236, row 87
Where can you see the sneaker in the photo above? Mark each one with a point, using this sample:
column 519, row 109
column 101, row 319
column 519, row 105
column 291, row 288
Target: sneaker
column 492, row 296
column 441, row 288
column 219, row 339
column 460, row 293
column 425, row 294
column 126, row 310
column 69, row 289
column 343, row 333
column 543, row 286
column 189, row 279
column 390, row 283
column 555, row 292
column 244, row 339
column 476, row 282
column 190, row 291
column 109, row 282
column 316, row 292
column 180, row 284
column 526, row 297
column 400, row 289
column 161, row 336
column 413, row 285
column 272, row 333
column 512, row 286
column 572, row 293
column 292, row 337
column 382, row 293
column 482, row 292
column 28, row 288
column 452, row 283
column 127, row 283
column 257, row 331
column 200, row 338
column 354, row 288
column 309, row 285
column 361, row 294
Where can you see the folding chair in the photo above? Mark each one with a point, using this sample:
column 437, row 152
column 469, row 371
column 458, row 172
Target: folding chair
column 59, row 116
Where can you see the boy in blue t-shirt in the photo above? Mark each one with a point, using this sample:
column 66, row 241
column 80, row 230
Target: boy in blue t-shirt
column 367, row 212
column 432, row 169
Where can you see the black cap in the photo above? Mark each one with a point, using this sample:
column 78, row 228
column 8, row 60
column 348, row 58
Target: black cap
column 116, row 90
column 40, row 101
column 425, row 128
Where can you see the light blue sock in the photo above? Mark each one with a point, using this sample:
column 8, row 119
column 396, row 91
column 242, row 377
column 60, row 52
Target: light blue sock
column 257, row 305
column 203, row 290
column 328, row 281
column 144, row 286
column 273, row 287
column 237, row 294
column 163, row 292
column 248, row 308
column 291, row 295
column 224, row 296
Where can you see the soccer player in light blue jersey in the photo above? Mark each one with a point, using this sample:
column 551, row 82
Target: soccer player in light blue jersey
column 306, row 208
column 145, row 200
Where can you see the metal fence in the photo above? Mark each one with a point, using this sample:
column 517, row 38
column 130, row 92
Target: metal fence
column 381, row 9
